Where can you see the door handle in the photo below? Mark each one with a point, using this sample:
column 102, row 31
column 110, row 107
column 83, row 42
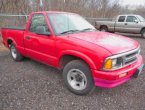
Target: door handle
column 27, row 37
column 125, row 23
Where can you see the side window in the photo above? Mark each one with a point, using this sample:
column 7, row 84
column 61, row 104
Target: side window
column 131, row 19
column 38, row 20
column 121, row 19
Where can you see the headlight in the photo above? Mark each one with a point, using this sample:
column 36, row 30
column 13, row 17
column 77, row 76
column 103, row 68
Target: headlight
column 113, row 63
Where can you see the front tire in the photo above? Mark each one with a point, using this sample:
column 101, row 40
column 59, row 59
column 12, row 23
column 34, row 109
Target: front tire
column 143, row 33
column 15, row 54
column 77, row 77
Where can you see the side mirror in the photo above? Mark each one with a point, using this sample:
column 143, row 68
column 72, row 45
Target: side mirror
column 42, row 31
column 136, row 21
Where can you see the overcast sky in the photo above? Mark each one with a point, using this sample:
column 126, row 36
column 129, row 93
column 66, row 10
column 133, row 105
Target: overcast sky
column 132, row 2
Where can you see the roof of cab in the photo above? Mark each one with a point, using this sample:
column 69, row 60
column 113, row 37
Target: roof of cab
column 128, row 15
column 52, row 12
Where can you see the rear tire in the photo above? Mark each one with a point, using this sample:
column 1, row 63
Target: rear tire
column 143, row 33
column 15, row 54
column 77, row 77
column 104, row 29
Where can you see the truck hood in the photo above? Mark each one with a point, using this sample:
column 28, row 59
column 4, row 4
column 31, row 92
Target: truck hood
column 113, row 43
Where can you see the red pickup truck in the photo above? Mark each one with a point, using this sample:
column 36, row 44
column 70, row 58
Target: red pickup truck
column 66, row 41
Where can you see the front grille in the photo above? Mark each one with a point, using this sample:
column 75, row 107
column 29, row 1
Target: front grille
column 130, row 57
column 132, row 54
column 130, row 61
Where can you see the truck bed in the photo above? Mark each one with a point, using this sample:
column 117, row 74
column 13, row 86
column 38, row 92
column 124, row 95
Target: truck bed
column 109, row 24
column 17, row 33
column 14, row 28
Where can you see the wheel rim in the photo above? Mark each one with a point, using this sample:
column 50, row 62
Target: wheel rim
column 13, row 52
column 77, row 79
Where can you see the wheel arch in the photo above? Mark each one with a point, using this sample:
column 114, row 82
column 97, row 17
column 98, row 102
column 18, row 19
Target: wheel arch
column 103, row 26
column 10, row 41
column 142, row 29
column 68, row 56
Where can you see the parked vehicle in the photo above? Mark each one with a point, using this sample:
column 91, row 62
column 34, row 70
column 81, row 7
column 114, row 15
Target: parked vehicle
column 66, row 41
column 123, row 23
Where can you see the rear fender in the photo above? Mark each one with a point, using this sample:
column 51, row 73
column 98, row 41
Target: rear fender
column 10, row 38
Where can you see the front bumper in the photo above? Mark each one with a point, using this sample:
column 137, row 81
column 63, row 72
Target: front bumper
column 110, row 79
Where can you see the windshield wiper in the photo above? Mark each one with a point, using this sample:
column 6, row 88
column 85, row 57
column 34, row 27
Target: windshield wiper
column 87, row 29
column 69, row 31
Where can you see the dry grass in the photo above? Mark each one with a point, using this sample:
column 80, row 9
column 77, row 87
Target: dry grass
column 2, row 48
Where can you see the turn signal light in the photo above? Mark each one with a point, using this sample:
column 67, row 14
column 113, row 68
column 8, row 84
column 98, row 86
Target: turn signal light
column 108, row 64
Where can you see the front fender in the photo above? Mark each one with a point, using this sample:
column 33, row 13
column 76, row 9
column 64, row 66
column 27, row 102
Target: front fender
column 80, row 55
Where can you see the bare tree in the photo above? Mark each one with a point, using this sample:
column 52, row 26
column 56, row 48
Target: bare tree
column 87, row 8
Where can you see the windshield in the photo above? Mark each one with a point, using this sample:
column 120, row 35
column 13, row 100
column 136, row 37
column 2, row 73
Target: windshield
column 69, row 23
column 141, row 18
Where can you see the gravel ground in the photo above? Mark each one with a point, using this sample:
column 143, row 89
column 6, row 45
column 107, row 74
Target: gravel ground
column 30, row 85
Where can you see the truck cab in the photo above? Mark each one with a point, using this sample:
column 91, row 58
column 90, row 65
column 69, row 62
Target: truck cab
column 129, row 24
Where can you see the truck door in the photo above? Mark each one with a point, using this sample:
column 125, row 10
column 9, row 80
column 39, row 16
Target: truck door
column 119, row 25
column 39, row 46
column 132, row 25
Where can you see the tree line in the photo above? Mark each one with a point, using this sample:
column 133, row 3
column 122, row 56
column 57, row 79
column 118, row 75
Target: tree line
column 86, row 8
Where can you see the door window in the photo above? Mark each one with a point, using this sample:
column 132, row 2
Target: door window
column 121, row 19
column 131, row 19
column 38, row 20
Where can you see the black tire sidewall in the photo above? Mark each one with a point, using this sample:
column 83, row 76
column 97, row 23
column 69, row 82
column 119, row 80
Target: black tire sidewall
column 142, row 33
column 77, row 64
